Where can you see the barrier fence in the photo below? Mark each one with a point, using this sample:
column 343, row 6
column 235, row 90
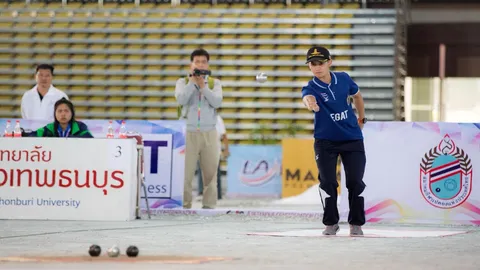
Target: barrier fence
column 420, row 172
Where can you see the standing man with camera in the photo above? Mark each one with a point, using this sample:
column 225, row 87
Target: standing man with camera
column 199, row 97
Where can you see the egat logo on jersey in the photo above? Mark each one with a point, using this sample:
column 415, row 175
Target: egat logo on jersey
column 339, row 116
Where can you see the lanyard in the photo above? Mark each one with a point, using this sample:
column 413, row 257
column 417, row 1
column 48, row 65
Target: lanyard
column 62, row 133
column 200, row 102
column 199, row 107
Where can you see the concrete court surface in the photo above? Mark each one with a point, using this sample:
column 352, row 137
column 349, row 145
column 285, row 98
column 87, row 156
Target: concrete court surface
column 223, row 242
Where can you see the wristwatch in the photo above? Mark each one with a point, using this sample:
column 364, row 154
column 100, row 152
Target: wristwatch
column 363, row 120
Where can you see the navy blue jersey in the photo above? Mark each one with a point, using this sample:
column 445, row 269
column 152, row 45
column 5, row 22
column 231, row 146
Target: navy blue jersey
column 336, row 119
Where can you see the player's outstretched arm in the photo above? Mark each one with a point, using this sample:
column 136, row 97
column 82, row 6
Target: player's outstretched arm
column 311, row 103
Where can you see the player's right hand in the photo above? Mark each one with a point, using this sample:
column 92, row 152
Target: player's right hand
column 311, row 103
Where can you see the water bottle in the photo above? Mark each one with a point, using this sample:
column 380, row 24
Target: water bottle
column 110, row 133
column 8, row 129
column 123, row 131
column 17, row 131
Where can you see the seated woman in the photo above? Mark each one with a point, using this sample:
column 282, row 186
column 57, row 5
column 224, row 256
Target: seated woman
column 65, row 124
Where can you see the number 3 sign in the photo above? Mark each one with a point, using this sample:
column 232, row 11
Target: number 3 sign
column 118, row 152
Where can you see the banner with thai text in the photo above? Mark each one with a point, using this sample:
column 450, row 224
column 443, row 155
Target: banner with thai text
column 164, row 144
column 68, row 179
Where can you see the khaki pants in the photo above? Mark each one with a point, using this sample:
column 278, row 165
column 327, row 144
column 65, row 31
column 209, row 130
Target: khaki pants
column 203, row 147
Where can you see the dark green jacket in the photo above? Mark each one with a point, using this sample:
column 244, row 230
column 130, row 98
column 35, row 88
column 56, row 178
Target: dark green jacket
column 79, row 130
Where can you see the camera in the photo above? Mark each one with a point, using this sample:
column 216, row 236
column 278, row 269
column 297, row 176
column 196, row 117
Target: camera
column 201, row 72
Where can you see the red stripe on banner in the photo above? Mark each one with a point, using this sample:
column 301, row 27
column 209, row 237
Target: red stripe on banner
column 445, row 165
column 433, row 180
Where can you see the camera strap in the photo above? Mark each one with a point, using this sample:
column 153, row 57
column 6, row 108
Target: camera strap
column 199, row 107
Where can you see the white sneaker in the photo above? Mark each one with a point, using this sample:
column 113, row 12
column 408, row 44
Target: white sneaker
column 331, row 230
column 356, row 230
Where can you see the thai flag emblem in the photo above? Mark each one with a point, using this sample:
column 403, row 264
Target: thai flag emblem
column 445, row 171
column 446, row 175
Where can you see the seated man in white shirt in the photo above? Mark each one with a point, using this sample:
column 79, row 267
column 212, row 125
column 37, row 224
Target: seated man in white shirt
column 38, row 102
